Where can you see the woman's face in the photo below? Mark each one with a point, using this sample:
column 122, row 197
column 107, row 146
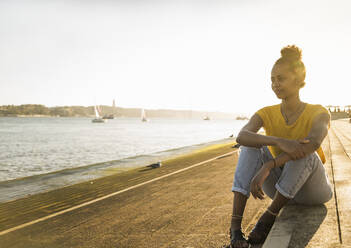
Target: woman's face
column 284, row 83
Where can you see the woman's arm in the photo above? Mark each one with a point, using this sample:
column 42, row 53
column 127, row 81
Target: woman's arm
column 309, row 145
column 248, row 134
column 312, row 142
column 293, row 149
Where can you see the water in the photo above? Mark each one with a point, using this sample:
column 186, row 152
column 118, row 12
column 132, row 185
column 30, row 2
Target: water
column 31, row 146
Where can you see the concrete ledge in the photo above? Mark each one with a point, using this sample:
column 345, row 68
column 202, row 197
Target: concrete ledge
column 305, row 226
column 281, row 232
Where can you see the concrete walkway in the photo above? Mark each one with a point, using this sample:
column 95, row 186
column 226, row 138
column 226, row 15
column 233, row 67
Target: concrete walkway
column 176, row 206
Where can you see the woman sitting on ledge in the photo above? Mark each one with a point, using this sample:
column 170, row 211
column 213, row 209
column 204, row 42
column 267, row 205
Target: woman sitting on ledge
column 287, row 162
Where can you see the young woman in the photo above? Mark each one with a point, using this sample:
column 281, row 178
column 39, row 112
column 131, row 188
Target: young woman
column 287, row 162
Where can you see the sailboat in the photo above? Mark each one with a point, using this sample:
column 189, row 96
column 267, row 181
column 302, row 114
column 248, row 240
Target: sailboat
column 143, row 115
column 98, row 118
column 111, row 116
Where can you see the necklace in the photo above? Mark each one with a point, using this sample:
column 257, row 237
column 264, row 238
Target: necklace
column 298, row 110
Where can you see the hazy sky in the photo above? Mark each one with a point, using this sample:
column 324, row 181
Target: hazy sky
column 202, row 55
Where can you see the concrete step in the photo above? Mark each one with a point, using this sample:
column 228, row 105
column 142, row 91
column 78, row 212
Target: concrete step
column 342, row 175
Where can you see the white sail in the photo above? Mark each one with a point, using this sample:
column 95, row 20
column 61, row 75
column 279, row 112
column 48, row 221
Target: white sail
column 96, row 112
column 143, row 115
column 99, row 110
column 98, row 119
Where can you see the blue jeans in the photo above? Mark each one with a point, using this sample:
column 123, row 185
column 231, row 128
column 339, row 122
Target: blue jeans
column 304, row 181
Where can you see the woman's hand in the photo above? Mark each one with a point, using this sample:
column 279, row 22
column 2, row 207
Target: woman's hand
column 259, row 178
column 293, row 148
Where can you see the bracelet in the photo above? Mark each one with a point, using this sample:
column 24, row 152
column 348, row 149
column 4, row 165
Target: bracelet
column 274, row 214
column 275, row 163
column 235, row 216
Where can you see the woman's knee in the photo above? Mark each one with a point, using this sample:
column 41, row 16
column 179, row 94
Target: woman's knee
column 249, row 156
column 249, row 149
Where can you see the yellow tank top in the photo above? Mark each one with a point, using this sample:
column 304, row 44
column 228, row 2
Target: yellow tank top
column 274, row 125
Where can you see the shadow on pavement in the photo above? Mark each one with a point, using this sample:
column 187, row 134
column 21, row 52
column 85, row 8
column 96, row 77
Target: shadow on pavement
column 307, row 221
column 146, row 169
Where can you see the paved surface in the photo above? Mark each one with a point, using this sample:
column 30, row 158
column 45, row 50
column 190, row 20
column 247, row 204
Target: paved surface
column 188, row 209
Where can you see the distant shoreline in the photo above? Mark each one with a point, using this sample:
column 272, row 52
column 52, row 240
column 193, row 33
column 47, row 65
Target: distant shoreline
column 115, row 118
column 37, row 110
column 44, row 116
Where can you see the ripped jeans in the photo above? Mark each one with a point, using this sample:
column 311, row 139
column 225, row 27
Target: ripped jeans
column 304, row 181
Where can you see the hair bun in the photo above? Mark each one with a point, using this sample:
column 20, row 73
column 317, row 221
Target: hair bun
column 292, row 53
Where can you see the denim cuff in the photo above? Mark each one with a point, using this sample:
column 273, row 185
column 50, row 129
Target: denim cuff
column 281, row 191
column 240, row 190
